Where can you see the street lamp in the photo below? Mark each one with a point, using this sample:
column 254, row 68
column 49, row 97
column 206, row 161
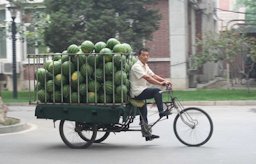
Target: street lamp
column 13, row 11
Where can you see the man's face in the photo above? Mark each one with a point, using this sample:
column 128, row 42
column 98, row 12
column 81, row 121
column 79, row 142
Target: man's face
column 144, row 56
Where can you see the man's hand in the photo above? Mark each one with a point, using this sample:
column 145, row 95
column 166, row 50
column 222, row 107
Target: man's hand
column 165, row 83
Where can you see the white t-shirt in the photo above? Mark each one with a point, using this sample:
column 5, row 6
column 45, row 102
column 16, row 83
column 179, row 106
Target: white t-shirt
column 138, row 84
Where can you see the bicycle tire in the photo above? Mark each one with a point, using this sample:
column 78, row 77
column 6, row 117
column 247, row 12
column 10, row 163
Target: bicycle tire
column 201, row 122
column 71, row 137
column 98, row 138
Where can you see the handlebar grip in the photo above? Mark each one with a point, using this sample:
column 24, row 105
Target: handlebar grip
column 169, row 87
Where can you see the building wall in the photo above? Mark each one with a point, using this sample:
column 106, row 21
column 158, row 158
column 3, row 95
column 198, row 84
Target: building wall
column 225, row 17
column 159, row 45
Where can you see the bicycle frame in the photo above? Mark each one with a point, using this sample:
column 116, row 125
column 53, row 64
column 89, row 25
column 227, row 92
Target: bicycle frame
column 176, row 104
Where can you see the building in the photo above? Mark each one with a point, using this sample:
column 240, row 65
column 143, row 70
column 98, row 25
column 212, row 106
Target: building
column 229, row 14
column 22, row 48
column 171, row 47
column 173, row 44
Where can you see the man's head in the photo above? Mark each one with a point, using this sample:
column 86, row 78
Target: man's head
column 143, row 55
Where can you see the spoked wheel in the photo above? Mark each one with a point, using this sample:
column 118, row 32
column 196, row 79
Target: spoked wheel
column 70, row 130
column 193, row 127
column 101, row 136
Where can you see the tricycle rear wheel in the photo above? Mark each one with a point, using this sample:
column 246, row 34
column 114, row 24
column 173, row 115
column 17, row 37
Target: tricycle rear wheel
column 70, row 134
column 101, row 136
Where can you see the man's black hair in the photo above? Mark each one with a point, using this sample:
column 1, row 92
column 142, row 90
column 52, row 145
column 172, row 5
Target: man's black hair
column 142, row 49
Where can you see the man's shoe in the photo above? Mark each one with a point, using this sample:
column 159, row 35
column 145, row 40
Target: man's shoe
column 165, row 113
column 150, row 138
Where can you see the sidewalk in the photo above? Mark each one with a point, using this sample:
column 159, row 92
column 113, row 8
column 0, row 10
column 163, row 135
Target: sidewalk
column 221, row 103
column 21, row 126
column 187, row 103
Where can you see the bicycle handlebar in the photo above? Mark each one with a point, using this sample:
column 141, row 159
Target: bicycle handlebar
column 168, row 87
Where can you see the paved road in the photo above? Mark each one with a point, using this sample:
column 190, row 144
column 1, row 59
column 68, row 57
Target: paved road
column 233, row 142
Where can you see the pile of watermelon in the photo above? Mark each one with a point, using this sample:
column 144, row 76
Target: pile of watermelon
column 89, row 73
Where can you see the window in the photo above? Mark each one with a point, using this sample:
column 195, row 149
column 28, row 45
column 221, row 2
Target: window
column 2, row 35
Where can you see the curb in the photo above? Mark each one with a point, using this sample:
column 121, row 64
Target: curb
column 14, row 128
column 186, row 103
column 220, row 103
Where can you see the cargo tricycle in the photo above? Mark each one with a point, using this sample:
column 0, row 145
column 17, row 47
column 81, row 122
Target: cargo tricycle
column 88, row 113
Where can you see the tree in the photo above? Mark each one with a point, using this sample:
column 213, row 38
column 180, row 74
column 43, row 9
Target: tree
column 215, row 47
column 226, row 46
column 71, row 22
column 250, row 6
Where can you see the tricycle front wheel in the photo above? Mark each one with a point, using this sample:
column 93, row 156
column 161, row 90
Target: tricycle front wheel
column 193, row 127
column 70, row 134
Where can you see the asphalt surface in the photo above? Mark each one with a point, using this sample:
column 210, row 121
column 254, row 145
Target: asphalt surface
column 233, row 142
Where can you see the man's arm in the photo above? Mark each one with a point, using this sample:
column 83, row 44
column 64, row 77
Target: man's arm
column 158, row 78
column 152, row 80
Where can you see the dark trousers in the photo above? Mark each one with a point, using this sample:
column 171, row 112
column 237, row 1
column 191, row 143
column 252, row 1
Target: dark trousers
column 148, row 94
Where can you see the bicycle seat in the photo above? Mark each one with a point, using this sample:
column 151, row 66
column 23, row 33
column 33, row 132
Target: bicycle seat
column 137, row 103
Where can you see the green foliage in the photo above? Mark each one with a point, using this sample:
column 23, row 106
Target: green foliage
column 213, row 47
column 98, row 20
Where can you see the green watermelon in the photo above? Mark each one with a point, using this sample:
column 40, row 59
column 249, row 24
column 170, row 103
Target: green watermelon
column 68, row 68
column 87, row 46
column 77, row 77
column 127, row 68
column 93, row 86
column 108, row 87
column 112, row 42
column 83, row 89
column 66, row 91
column 60, row 80
column 93, row 60
column 98, row 75
column 119, row 48
column 65, row 52
column 133, row 60
column 92, row 96
column 74, row 97
column 78, row 59
column 56, row 57
column 86, row 70
column 119, row 60
column 42, row 75
column 73, row 49
column 99, row 46
column 64, row 58
column 127, row 83
column 105, row 98
column 121, row 89
column 42, row 95
column 47, row 63
column 106, row 54
column 128, row 48
column 120, row 77
column 109, row 68
column 55, row 67
column 119, row 99
column 56, row 96
column 50, row 86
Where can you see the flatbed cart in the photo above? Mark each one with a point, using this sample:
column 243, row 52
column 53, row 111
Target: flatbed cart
column 82, row 125
column 84, row 121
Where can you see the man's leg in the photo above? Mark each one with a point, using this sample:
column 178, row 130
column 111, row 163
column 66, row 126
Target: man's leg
column 147, row 94
column 144, row 113
column 152, row 93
